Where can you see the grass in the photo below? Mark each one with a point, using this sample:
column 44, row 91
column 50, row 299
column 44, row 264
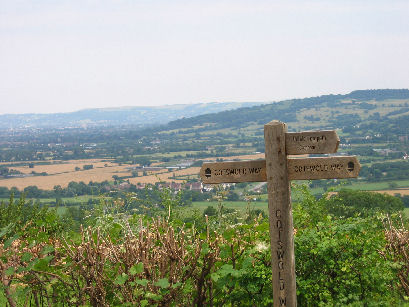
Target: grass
column 76, row 199
column 317, row 191
column 373, row 186
column 61, row 210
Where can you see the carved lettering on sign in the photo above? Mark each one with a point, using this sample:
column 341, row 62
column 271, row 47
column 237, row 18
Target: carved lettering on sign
column 306, row 147
column 280, row 252
column 298, row 169
column 323, row 168
column 314, row 139
column 318, row 167
column 237, row 171
column 311, row 142
column 244, row 171
column 283, row 301
column 280, row 258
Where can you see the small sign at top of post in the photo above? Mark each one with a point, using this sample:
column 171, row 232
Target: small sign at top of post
column 311, row 142
column 277, row 169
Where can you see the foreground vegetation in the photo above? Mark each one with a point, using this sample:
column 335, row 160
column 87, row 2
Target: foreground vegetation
column 348, row 253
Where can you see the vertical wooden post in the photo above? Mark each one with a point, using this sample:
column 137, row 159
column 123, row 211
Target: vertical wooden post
column 280, row 215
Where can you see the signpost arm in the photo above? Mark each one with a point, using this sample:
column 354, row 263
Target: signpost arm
column 280, row 215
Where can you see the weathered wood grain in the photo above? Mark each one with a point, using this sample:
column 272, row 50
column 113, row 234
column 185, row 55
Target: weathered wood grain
column 311, row 142
column 280, row 215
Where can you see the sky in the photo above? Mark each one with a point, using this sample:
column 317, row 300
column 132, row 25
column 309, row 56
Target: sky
column 67, row 55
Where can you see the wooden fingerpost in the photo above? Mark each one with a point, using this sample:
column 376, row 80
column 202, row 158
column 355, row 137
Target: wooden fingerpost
column 280, row 215
column 277, row 169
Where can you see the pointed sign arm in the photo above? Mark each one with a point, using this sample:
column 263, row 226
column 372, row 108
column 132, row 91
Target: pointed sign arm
column 298, row 169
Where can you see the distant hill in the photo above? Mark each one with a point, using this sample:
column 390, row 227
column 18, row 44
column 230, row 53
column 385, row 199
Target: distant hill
column 133, row 116
column 327, row 111
column 364, row 119
column 361, row 117
column 322, row 111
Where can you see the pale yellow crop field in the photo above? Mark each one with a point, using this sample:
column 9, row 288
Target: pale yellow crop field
column 66, row 166
column 389, row 192
column 393, row 192
column 164, row 176
column 62, row 174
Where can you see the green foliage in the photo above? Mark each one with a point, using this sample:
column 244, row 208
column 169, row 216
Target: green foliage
column 337, row 259
column 180, row 258
column 242, row 276
column 142, row 161
column 197, row 163
column 88, row 166
column 232, row 196
column 405, row 200
column 5, row 171
column 386, row 171
column 17, row 217
column 210, row 211
column 338, row 263
column 350, row 203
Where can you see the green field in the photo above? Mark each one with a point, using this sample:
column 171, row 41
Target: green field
column 61, row 210
column 76, row 199
column 373, row 186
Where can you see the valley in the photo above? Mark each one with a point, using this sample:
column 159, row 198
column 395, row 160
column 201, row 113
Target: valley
column 374, row 125
column 71, row 195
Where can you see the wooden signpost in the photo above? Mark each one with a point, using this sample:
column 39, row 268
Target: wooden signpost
column 278, row 169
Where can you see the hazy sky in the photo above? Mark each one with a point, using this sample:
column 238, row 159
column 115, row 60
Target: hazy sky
column 58, row 56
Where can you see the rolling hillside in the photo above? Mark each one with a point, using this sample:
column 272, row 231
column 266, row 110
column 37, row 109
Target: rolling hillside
column 323, row 111
column 364, row 116
column 132, row 116
column 366, row 120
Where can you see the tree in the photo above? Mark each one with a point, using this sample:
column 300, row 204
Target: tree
column 349, row 203
column 232, row 196
column 32, row 191
column 58, row 190
column 210, row 211
column 143, row 161
column 4, row 171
